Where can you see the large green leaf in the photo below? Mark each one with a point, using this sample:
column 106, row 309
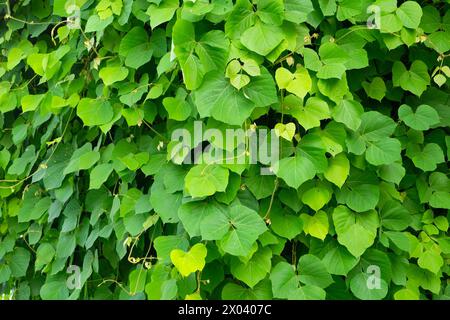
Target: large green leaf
column 94, row 112
column 414, row 80
column 254, row 270
column 110, row 75
column 383, row 152
column 307, row 162
column 205, row 180
column 193, row 213
column 237, row 229
column 135, row 46
column 356, row 231
column 285, row 285
column 219, row 99
column 312, row 271
column 410, row 13
column 191, row 261
column 161, row 11
column 262, row 38
column 198, row 57
column 310, row 115
column 422, row 119
column 394, row 216
column 349, row 113
column 427, row 158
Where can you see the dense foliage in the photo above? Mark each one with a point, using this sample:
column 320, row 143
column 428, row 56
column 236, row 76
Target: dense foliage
column 92, row 90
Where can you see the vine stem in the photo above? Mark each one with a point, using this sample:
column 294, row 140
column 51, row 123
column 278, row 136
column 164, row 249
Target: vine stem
column 154, row 130
column 9, row 16
column 272, row 197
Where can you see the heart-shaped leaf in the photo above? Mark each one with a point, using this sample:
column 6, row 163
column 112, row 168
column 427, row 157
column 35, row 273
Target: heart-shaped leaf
column 191, row 261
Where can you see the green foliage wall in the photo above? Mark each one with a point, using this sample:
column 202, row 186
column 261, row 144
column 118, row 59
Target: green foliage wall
column 93, row 207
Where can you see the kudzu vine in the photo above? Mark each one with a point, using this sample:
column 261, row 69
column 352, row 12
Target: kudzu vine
column 100, row 201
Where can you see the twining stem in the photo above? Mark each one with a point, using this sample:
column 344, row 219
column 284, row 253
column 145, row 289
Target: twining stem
column 272, row 197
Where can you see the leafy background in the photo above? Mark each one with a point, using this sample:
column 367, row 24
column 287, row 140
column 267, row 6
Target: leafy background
column 87, row 113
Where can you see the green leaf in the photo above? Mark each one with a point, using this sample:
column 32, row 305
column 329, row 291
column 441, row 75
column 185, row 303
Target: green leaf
column 239, row 81
column 308, row 161
column 219, row 99
column 165, row 244
column 410, row 14
column 54, row 289
column 135, row 46
column 428, row 158
column 94, row 112
column 255, row 270
column 299, row 82
column 359, row 197
column 177, row 108
column 99, row 175
column 36, row 211
column 5, row 273
column 328, row 7
column 205, row 180
column 392, row 173
column 312, row 271
column 237, row 229
column 317, row 197
column 296, row 11
column 356, row 231
column 31, row 102
column 285, row 224
column 271, row 11
column 440, row 79
column 361, row 287
column 390, row 23
column 338, row 170
column 394, row 216
column 162, row 11
column 193, row 213
column 376, row 89
column 191, row 261
column 414, row 80
column 431, row 259
column 19, row 261
column 110, row 75
column 94, row 23
column 376, row 126
column 261, row 186
column 82, row 159
column 334, row 89
column 262, row 38
column 422, row 119
column 66, row 245
column 261, row 89
column 165, row 204
column 348, row 112
column 316, row 225
column 439, row 41
column 310, row 115
column 262, row 291
column 285, row 284
column 44, row 255
column 407, row 294
column 286, row 131
column 383, row 152
column 197, row 57
column 338, row 260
